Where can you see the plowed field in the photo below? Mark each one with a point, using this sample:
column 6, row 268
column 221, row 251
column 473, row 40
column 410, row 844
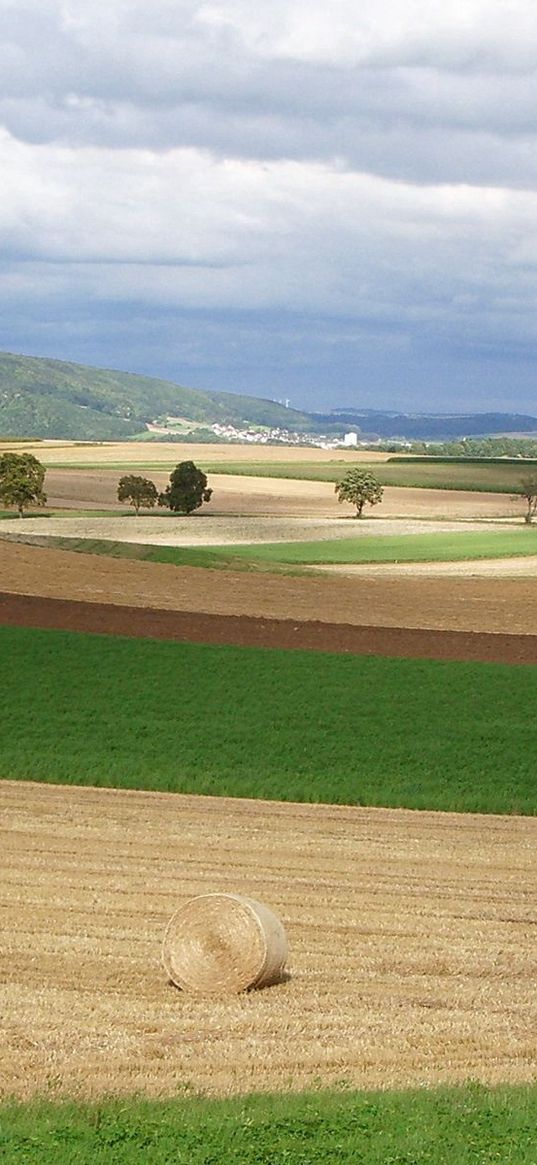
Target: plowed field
column 412, row 945
column 507, row 606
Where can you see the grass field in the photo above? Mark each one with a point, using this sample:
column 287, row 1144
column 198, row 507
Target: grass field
column 437, row 547
column 340, row 729
column 465, row 1126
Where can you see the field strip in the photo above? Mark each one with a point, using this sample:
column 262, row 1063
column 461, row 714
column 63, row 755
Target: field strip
column 210, row 530
column 459, row 604
column 168, row 453
column 412, row 939
column 244, row 631
column 515, row 567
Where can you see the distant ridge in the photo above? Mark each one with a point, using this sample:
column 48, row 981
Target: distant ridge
column 434, row 426
column 41, row 397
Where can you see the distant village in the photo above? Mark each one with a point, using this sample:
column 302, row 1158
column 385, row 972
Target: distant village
column 284, row 437
column 266, row 436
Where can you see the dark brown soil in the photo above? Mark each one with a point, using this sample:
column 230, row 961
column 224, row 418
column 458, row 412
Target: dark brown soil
column 246, row 631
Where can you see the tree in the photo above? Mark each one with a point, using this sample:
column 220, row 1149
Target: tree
column 187, row 489
column 21, row 481
column 140, row 491
column 528, row 490
column 358, row 487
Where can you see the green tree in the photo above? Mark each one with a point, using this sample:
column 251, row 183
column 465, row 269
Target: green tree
column 187, row 489
column 21, row 481
column 528, row 490
column 358, row 487
column 140, row 491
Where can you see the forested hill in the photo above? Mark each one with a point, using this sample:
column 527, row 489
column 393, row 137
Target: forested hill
column 433, row 426
column 51, row 398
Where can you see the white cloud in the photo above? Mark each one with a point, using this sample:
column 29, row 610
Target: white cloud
column 310, row 79
column 187, row 229
column 372, row 162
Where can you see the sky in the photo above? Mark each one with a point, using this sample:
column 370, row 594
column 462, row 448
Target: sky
column 330, row 203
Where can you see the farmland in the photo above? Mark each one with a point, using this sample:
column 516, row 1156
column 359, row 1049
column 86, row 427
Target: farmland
column 327, row 728
column 498, row 477
column 306, row 463
column 138, row 772
column 460, row 547
column 411, row 937
column 502, row 605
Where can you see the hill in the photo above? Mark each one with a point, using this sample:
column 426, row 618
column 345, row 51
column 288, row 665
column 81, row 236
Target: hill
column 433, row 426
column 51, row 398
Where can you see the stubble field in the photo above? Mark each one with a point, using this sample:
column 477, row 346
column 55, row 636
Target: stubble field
column 411, row 939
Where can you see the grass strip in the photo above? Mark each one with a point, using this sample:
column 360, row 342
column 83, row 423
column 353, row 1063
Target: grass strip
column 279, row 725
column 208, row 557
column 52, row 513
column 281, row 557
column 469, row 1125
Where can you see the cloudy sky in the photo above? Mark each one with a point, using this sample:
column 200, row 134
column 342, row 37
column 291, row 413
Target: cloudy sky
column 330, row 202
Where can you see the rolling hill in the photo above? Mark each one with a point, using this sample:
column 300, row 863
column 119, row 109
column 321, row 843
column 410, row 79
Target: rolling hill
column 41, row 397
column 51, row 398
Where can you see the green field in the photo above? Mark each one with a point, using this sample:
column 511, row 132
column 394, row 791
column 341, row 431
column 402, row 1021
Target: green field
column 280, row 725
column 454, row 547
column 459, row 1126
column 282, row 556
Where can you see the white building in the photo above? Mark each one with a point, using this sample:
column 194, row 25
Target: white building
column 350, row 439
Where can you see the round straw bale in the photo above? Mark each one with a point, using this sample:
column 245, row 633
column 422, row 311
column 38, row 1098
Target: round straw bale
column 222, row 944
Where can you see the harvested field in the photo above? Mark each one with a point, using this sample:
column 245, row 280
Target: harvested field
column 170, row 452
column 460, row 603
column 206, row 530
column 510, row 568
column 412, row 945
column 234, row 494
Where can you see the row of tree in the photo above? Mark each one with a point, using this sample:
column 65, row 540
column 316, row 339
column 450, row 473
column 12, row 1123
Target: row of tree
column 186, row 492
column 22, row 479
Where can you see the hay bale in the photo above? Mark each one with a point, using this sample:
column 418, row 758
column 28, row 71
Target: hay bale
column 223, row 943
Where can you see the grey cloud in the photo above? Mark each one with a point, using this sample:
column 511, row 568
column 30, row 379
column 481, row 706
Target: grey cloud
column 338, row 199
column 124, row 77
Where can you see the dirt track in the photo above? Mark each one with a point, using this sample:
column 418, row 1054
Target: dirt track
column 458, row 604
column 412, row 941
